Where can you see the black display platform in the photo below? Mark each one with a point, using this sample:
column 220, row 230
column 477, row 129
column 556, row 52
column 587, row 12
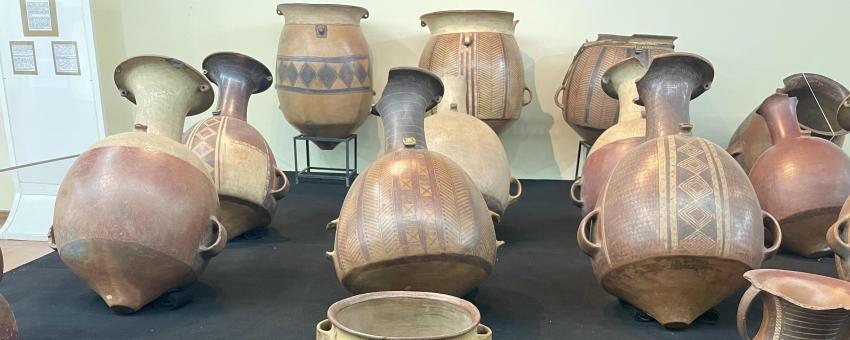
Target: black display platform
column 280, row 286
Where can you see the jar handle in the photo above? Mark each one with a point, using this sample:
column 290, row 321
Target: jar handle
column 332, row 224
column 483, row 333
column 530, row 96
column 777, row 234
column 220, row 242
column 575, row 194
column 515, row 197
column 588, row 247
column 51, row 239
column 833, row 237
column 743, row 307
column 495, row 217
column 281, row 192
column 325, row 330
column 558, row 97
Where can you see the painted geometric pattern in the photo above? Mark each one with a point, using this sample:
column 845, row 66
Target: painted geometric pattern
column 793, row 322
column 203, row 141
column 490, row 75
column 695, row 199
column 309, row 74
column 408, row 204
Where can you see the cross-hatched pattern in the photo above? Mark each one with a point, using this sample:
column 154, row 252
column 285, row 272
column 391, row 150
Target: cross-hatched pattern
column 412, row 203
column 698, row 206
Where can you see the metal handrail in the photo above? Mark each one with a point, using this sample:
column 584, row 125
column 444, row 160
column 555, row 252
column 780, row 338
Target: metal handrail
column 38, row 163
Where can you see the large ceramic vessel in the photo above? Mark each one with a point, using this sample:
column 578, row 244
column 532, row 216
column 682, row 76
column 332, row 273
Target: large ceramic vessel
column 8, row 325
column 472, row 145
column 678, row 222
column 797, row 306
column 629, row 132
column 156, row 224
column 801, row 180
column 838, row 238
column 586, row 107
column 820, row 112
column 324, row 71
column 397, row 315
column 479, row 46
column 234, row 153
column 413, row 220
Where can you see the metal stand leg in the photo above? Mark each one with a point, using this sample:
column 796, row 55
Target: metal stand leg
column 314, row 172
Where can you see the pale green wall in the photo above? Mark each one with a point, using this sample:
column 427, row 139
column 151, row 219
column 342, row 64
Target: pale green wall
column 753, row 45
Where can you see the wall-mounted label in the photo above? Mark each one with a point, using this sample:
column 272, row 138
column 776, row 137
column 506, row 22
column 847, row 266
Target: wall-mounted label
column 39, row 18
column 65, row 58
column 23, row 57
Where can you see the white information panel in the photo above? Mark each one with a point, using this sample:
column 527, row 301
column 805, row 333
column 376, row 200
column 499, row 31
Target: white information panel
column 49, row 113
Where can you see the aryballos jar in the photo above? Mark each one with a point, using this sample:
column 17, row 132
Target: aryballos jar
column 677, row 222
column 479, row 46
column 819, row 112
column 796, row 306
column 472, row 145
column 136, row 214
column 324, row 71
column 838, row 238
column 618, row 140
column 803, row 181
column 403, row 315
column 234, row 153
column 413, row 220
column 8, row 325
column 586, row 107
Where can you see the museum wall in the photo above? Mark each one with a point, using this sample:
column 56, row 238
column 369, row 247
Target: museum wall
column 753, row 45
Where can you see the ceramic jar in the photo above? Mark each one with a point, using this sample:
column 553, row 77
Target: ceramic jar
column 677, row 222
column 472, row 145
column 324, row 70
column 797, row 306
column 818, row 97
column 396, row 315
column 479, row 46
column 156, row 224
column 801, row 180
column 8, row 325
column 585, row 106
column 838, row 238
column 413, row 220
column 618, row 140
column 234, row 153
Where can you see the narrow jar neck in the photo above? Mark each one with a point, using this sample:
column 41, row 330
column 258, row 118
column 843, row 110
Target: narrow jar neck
column 667, row 102
column 233, row 98
column 403, row 115
column 627, row 93
column 162, row 115
column 780, row 115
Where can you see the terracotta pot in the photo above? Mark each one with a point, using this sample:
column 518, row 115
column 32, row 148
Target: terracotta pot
column 156, row 224
column 838, row 238
column 783, row 177
column 403, row 315
column 752, row 138
column 480, row 46
column 473, row 146
column 8, row 325
column 234, row 153
column 797, row 306
column 678, row 222
column 618, row 140
column 324, row 71
column 413, row 220
column 586, row 107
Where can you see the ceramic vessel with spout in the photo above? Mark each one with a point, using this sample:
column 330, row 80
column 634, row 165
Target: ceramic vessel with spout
column 413, row 220
column 479, row 45
column 234, row 153
column 472, row 145
column 156, row 225
column 803, row 181
column 678, row 222
column 584, row 104
column 324, row 70
column 796, row 306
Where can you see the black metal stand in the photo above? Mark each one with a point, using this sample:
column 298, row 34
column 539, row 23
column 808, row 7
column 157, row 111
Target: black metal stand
column 341, row 174
column 582, row 146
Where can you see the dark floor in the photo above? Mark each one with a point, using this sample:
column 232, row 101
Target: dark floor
column 280, row 286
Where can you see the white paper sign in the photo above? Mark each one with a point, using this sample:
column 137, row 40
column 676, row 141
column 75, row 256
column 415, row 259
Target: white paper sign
column 65, row 58
column 38, row 15
column 23, row 57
